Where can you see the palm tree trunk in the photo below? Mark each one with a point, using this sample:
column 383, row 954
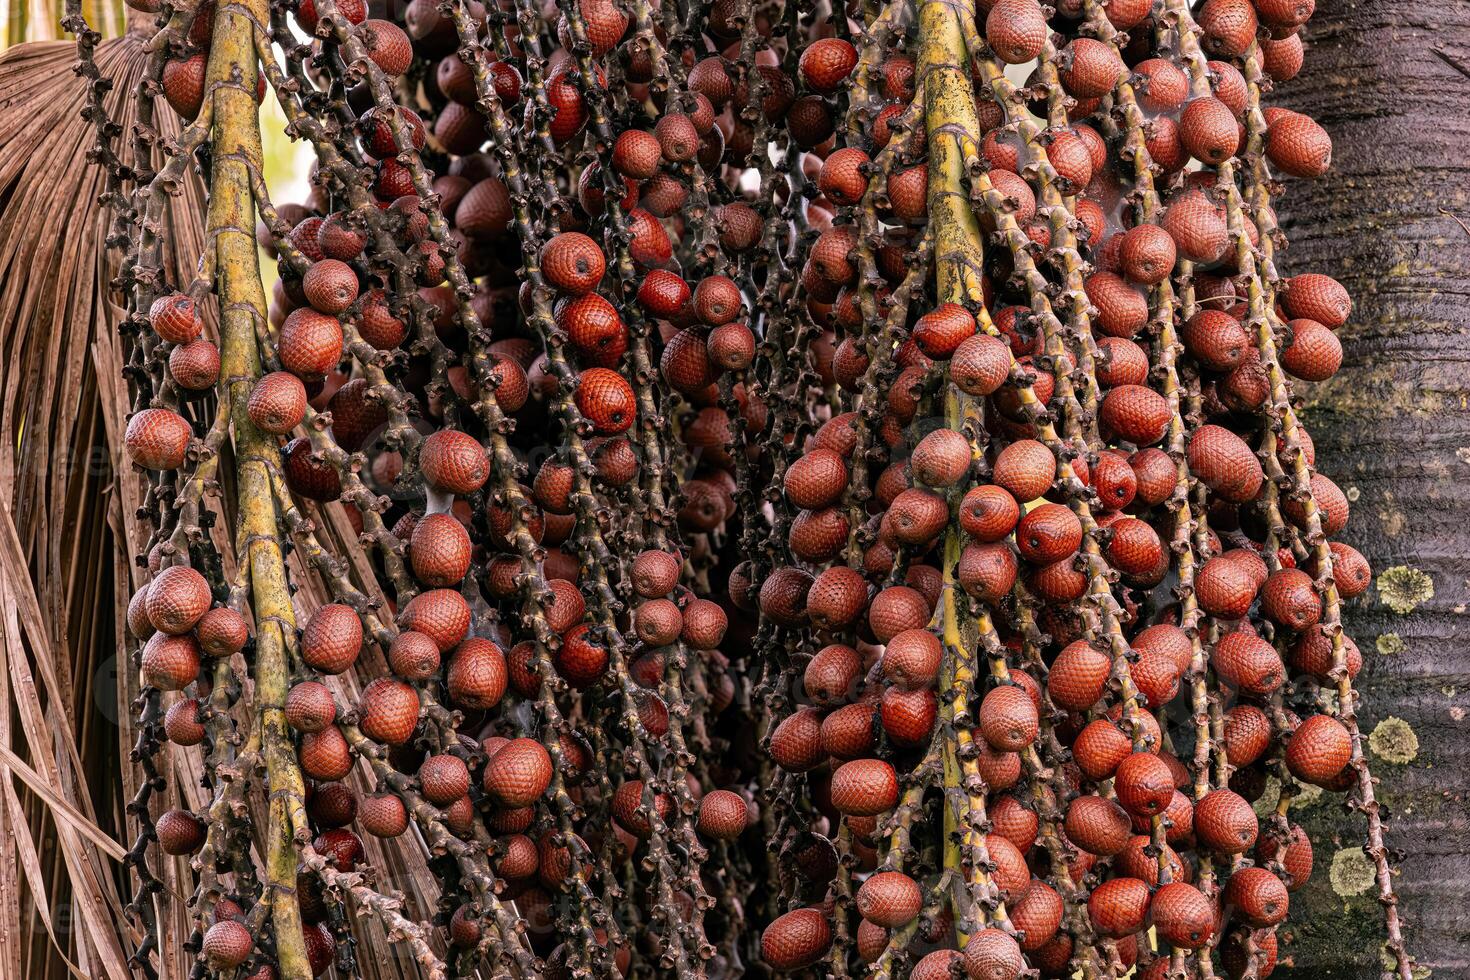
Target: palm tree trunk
column 1391, row 82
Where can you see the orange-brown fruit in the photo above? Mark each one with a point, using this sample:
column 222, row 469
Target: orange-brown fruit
column 1144, row 784
column 1078, row 676
column 796, row 940
column 517, row 773
column 911, row 659
column 170, row 663
column 1016, row 30
column 1296, row 145
column 1257, row 896
column 453, row 461
column 1312, row 351
column 1048, row 533
column 1182, row 915
column 1008, row 719
column 1225, row 463
column 864, row 787
column 1097, row 825
column 1118, row 907
column 1319, row 749
column 1089, row 68
column 332, row 639
column 1248, row 663
column 1037, row 913
column 1313, row 296
column 1289, row 599
column 310, row 707
column 723, row 815
column 826, row 63
column 157, row 439
column 1225, row 822
column 890, row 899
column 389, row 711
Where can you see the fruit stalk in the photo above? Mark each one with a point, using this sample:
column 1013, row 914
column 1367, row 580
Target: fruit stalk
column 235, row 149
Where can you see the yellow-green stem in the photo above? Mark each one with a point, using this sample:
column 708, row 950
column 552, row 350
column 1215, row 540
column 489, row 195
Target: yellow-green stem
column 235, row 149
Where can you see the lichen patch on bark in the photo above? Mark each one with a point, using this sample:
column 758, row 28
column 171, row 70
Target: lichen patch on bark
column 1393, row 740
column 1403, row 588
column 1351, row 872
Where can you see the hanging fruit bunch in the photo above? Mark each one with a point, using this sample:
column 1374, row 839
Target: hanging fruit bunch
column 734, row 488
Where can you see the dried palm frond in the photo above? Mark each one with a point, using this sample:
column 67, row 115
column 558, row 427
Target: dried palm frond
column 66, row 518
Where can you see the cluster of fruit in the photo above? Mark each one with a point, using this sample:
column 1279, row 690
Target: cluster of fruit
column 720, row 472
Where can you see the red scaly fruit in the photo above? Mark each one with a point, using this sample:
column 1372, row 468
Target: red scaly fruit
column 1078, row 676
column 723, row 815
column 864, row 787
column 1097, row 825
column 1135, row 413
column 325, row 755
column 1289, row 599
column 332, row 639
column 195, row 365
column 1229, row 27
column 1122, row 307
column 1313, row 296
column 310, row 707
column 991, row 954
column 1208, row 131
column 157, row 439
column 179, row 832
column 911, row 659
column 1312, row 351
column 389, row 711
column 1224, row 463
column 1090, row 68
column 1016, row 30
column 890, row 899
column 1225, row 822
column 1183, row 916
column 1036, row 914
column 310, row 343
column 227, row 945
column 440, row 614
column 581, row 661
column 170, row 663
column 637, row 154
column 841, row 177
column 477, row 674
column 1257, row 896
column 439, row 550
column 453, row 461
column 826, row 63
column 178, row 598
column 1319, row 749
column 517, row 773
column 988, row 513
column 175, row 318
column 1026, row 468
column 277, row 403
column 1147, row 254
column 572, row 262
column 1048, row 533
column 181, row 725
column 1248, row 663
column 1118, row 907
column 382, row 815
column 1144, row 784
column 443, row 779
column 796, row 940
column 414, row 657
column 605, row 399
column 1008, row 719
column 387, row 45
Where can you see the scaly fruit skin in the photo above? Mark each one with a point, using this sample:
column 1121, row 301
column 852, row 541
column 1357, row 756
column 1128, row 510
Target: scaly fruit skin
column 157, row 439
column 796, row 940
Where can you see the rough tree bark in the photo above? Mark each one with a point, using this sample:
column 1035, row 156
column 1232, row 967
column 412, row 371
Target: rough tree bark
column 1390, row 79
